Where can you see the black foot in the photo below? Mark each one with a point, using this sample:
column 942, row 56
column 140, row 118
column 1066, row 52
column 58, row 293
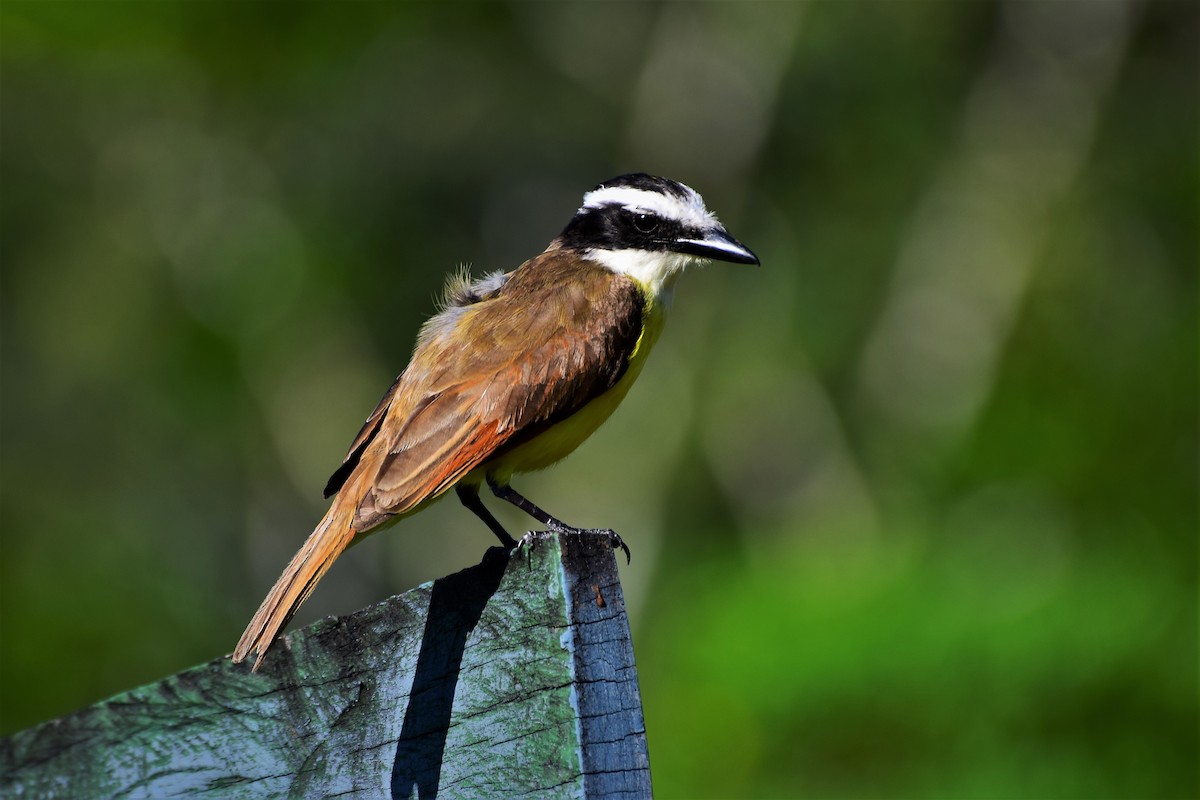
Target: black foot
column 613, row 536
column 506, row 492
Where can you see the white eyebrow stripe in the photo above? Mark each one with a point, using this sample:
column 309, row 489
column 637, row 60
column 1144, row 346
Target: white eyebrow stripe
column 690, row 212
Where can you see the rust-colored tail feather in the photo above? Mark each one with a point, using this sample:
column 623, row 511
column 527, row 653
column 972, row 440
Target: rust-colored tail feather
column 327, row 541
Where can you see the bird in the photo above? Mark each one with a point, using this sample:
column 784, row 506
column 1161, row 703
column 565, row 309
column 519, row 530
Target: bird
column 514, row 371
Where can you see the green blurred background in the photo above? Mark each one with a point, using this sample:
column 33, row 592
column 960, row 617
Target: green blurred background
column 913, row 506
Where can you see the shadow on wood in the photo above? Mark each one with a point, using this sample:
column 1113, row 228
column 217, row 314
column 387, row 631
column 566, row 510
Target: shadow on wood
column 513, row 677
column 455, row 606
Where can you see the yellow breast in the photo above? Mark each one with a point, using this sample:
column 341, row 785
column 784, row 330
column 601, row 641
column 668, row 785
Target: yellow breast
column 558, row 441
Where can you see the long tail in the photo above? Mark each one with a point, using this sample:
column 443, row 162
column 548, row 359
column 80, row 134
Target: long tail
column 331, row 536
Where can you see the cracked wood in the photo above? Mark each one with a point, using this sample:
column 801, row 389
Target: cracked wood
column 507, row 679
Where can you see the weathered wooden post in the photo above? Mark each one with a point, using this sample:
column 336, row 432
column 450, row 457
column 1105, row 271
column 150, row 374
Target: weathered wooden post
column 514, row 677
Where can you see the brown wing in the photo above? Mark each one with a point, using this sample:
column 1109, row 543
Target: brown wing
column 557, row 335
column 459, row 292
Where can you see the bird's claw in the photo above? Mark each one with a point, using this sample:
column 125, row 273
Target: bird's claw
column 617, row 541
column 613, row 537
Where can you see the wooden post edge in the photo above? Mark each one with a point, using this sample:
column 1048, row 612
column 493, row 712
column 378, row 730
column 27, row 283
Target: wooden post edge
column 512, row 677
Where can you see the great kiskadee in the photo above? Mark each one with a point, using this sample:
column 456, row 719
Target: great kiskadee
column 513, row 373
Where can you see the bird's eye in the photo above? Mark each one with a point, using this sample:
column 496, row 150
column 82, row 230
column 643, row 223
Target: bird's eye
column 645, row 223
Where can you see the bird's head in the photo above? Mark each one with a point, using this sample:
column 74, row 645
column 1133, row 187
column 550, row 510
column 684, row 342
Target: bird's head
column 649, row 228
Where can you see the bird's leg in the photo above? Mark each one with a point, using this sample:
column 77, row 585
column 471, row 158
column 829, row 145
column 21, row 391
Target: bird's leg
column 506, row 492
column 469, row 495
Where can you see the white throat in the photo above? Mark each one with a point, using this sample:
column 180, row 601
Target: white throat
column 655, row 271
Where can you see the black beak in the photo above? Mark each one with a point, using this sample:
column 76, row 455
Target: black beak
column 718, row 245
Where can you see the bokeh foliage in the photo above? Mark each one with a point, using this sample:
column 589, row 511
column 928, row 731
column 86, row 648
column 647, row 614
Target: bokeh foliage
column 913, row 506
